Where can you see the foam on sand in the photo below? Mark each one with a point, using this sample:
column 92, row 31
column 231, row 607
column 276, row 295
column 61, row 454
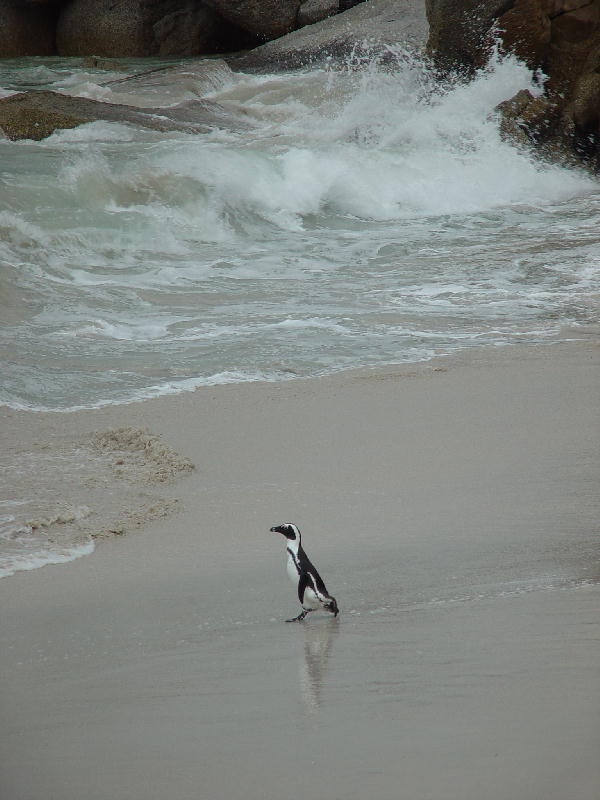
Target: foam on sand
column 63, row 495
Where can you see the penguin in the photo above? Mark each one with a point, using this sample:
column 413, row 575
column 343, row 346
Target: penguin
column 312, row 592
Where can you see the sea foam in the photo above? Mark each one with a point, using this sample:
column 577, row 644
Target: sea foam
column 341, row 217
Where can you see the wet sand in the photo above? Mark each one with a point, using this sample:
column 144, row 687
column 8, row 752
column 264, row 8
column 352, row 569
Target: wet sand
column 452, row 509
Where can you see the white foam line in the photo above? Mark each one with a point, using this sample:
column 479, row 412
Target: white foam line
column 41, row 558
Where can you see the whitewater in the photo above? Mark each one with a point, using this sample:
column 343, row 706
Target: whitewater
column 355, row 215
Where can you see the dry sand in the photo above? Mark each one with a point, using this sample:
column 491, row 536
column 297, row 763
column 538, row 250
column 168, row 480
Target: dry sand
column 452, row 509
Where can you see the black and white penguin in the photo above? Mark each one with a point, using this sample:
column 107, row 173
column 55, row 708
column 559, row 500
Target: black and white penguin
column 312, row 592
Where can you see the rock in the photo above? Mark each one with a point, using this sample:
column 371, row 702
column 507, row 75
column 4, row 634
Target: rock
column 525, row 119
column 559, row 37
column 582, row 112
column 26, row 116
column 458, row 30
column 26, row 30
column 35, row 115
column 104, row 28
column 266, row 19
column 526, row 31
column 133, row 28
column 315, row 10
column 195, row 29
column 378, row 23
column 170, row 86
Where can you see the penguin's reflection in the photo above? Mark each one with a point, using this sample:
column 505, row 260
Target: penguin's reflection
column 318, row 638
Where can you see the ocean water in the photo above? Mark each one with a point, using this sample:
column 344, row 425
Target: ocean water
column 350, row 216
column 357, row 215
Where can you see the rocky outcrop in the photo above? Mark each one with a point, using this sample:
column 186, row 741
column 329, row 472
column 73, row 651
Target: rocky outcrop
column 458, row 30
column 169, row 28
column 529, row 120
column 266, row 19
column 143, row 28
column 134, row 28
column 26, row 29
column 560, row 37
column 36, row 115
column 378, row 24
column 583, row 108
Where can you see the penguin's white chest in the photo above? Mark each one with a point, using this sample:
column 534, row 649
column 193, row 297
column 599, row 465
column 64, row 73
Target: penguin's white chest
column 310, row 599
column 292, row 569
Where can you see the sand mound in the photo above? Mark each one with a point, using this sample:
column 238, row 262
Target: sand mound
column 140, row 455
column 63, row 493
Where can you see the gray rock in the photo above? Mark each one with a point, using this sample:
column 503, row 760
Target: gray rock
column 170, row 86
column 316, row 10
column 36, row 115
column 266, row 19
column 103, row 28
column 378, row 23
column 143, row 28
column 26, row 30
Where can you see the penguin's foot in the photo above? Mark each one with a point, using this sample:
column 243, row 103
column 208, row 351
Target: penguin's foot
column 299, row 618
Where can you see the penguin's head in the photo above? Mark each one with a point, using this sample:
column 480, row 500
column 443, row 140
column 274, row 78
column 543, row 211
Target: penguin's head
column 290, row 531
column 332, row 606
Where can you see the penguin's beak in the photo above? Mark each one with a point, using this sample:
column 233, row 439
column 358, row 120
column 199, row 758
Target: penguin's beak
column 275, row 529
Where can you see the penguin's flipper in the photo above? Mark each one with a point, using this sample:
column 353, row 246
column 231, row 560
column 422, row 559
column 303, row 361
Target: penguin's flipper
column 303, row 582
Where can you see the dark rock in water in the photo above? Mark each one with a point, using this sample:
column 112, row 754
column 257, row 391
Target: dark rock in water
column 266, row 19
column 458, row 30
column 30, row 116
column 36, row 115
column 26, row 29
column 527, row 120
column 582, row 112
column 133, row 28
column 559, row 37
column 377, row 24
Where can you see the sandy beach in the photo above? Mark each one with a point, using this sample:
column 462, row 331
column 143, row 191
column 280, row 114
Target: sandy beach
column 452, row 509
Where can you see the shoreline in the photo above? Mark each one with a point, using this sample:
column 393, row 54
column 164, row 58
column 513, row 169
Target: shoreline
column 452, row 509
column 132, row 415
column 472, row 353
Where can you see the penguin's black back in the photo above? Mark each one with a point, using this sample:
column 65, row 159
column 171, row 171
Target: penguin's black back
column 306, row 565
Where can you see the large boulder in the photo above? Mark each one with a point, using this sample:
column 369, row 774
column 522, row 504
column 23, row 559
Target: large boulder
column 543, row 33
column 378, row 24
column 458, row 30
column 582, row 109
column 526, row 119
column 133, row 28
column 560, row 37
column 266, row 19
column 26, row 29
